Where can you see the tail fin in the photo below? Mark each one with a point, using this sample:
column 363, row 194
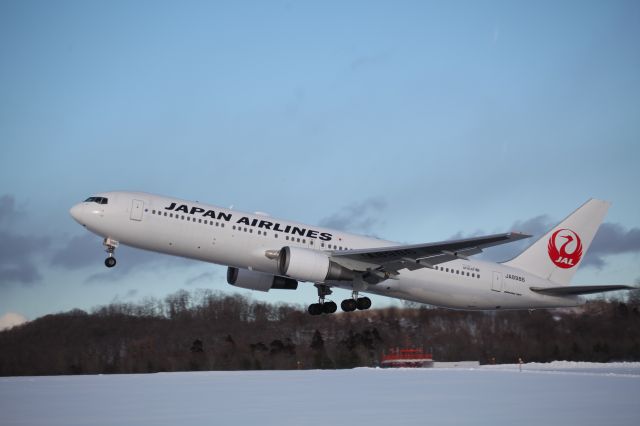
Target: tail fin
column 558, row 253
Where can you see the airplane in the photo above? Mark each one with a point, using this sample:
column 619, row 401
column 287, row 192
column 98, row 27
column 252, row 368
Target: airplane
column 264, row 253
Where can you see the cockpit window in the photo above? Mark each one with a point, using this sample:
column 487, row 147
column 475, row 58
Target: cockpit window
column 98, row 200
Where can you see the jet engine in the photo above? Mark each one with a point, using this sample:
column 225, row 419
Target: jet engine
column 311, row 265
column 253, row 280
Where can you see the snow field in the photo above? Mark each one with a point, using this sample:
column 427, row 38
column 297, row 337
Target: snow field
column 549, row 394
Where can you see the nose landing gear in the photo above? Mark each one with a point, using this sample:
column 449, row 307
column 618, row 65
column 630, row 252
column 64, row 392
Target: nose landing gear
column 111, row 246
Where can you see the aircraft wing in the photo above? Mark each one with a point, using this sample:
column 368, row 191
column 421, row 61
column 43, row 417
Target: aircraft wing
column 575, row 290
column 389, row 260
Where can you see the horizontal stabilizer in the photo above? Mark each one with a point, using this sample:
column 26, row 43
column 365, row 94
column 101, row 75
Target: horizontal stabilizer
column 575, row 290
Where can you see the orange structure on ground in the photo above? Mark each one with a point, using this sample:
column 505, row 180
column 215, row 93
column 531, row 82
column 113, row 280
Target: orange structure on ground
column 406, row 358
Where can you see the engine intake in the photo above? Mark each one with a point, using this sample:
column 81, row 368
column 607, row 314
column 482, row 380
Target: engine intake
column 311, row 265
column 260, row 281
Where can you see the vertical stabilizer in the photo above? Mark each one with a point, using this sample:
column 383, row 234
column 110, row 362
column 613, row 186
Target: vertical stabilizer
column 558, row 253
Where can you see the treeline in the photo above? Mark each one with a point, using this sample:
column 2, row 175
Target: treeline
column 214, row 331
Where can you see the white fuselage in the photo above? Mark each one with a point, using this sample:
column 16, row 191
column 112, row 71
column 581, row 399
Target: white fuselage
column 232, row 238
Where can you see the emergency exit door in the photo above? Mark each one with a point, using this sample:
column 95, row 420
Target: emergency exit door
column 496, row 284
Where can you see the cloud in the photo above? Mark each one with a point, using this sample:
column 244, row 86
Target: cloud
column 205, row 278
column 10, row 320
column 536, row 227
column 87, row 251
column 611, row 239
column 79, row 252
column 496, row 35
column 368, row 61
column 8, row 211
column 18, row 251
column 129, row 295
column 357, row 217
column 131, row 260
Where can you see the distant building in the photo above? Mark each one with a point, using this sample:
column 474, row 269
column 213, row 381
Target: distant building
column 406, row 358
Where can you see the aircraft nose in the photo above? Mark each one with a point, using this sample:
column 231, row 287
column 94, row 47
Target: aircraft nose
column 76, row 213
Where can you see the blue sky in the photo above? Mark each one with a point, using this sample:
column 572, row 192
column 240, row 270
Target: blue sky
column 413, row 121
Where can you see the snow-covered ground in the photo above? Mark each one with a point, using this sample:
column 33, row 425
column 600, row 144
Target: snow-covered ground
column 560, row 393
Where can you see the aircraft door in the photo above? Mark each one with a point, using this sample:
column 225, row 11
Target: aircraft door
column 496, row 284
column 136, row 210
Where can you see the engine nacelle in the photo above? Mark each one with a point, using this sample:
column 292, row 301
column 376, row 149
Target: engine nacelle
column 260, row 281
column 311, row 265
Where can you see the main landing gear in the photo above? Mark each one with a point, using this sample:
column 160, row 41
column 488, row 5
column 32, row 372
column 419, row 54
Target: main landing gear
column 360, row 303
column 111, row 246
column 323, row 307
column 328, row 307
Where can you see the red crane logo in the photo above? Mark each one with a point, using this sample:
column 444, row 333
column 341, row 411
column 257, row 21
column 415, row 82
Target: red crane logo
column 567, row 240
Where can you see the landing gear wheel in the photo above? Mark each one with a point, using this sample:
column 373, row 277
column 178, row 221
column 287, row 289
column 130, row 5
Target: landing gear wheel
column 329, row 307
column 363, row 303
column 315, row 309
column 110, row 247
column 322, row 307
column 348, row 305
